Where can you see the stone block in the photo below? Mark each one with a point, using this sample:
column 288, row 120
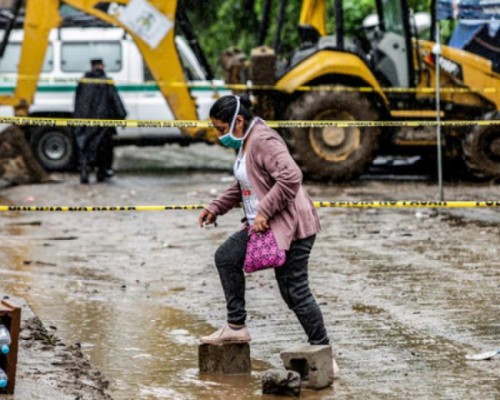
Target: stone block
column 281, row 383
column 224, row 359
column 314, row 363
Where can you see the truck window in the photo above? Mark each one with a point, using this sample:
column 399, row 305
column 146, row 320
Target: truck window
column 393, row 17
column 189, row 69
column 192, row 68
column 10, row 61
column 76, row 56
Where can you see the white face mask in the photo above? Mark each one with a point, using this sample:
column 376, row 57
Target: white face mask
column 229, row 140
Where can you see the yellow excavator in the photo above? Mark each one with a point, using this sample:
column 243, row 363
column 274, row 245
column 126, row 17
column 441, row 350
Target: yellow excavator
column 346, row 79
column 384, row 73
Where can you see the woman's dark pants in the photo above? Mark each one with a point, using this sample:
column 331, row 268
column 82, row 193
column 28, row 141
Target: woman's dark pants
column 292, row 281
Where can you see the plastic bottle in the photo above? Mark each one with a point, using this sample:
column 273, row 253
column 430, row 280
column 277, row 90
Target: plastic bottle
column 4, row 380
column 4, row 340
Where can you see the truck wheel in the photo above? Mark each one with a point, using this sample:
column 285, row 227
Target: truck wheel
column 332, row 153
column 54, row 148
column 481, row 148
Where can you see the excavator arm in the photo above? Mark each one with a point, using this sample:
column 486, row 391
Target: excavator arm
column 163, row 61
column 40, row 19
column 313, row 13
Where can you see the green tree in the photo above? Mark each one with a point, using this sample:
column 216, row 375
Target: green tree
column 225, row 23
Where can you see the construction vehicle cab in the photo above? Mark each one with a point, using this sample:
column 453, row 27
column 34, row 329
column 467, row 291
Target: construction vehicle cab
column 385, row 76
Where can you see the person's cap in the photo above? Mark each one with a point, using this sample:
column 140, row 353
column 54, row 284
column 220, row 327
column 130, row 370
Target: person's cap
column 96, row 61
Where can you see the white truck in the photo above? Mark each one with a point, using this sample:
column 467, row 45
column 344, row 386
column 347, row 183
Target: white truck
column 68, row 58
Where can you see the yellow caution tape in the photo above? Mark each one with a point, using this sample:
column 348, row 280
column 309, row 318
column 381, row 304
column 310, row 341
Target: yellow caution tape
column 407, row 204
column 346, row 124
column 102, row 208
column 369, row 89
column 243, row 86
column 317, row 204
column 72, row 122
column 97, row 81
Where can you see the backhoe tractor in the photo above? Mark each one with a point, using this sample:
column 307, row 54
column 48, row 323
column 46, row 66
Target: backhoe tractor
column 47, row 45
column 351, row 80
column 383, row 75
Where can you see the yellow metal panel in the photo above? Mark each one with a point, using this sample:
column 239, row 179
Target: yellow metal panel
column 328, row 62
column 313, row 13
column 41, row 16
column 477, row 72
column 415, row 113
column 478, row 75
column 415, row 142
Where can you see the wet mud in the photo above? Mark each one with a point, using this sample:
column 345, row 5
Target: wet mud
column 406, row 294
column 47, row 368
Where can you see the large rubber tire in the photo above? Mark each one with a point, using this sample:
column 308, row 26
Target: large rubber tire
column 333, row 154
column 54, row 148
column 481, row 148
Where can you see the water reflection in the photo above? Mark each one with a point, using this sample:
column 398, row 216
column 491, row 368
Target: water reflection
column 147, row 350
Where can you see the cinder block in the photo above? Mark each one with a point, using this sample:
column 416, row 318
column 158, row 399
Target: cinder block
column 314, row 363
column 224, row 359
column 281, row 383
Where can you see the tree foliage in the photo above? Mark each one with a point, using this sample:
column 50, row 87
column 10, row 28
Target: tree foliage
column 220, row 24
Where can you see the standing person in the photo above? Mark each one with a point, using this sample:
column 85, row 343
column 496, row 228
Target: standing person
column 269, row 184
column 96, row 100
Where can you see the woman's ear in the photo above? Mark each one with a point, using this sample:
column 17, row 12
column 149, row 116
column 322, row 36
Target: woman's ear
column 239, row 124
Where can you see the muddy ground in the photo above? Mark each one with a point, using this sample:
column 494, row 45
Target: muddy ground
column 47, row 368
column 406, row 293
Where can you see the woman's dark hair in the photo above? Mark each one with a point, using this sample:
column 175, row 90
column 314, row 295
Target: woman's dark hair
column 224, row 108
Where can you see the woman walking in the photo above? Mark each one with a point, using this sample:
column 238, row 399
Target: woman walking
column 269, row 184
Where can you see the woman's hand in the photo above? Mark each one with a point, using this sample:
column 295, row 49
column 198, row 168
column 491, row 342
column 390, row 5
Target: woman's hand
column 260, row 224
column 206, row 218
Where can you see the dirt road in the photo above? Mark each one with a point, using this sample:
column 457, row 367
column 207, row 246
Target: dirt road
column 406, row 294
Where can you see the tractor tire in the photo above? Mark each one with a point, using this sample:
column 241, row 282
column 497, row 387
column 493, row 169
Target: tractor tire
column 481, row 149
column 331, row 153
column 54, row 148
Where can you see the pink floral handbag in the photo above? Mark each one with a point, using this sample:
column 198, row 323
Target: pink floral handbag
column 263, row 252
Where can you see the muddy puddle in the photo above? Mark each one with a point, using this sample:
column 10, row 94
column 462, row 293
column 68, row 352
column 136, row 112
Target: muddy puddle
column 405, row 296
column 145, row 349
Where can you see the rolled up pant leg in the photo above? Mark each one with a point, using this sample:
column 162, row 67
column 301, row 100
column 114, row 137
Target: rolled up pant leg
column 229, row 259
column 294, row 287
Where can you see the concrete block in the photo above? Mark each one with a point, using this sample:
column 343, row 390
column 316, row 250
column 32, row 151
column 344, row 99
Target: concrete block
column 281, row 383
column 224, row 359
column 314, row 363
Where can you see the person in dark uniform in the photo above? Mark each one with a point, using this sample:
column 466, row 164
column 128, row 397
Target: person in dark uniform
column 96, row 100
